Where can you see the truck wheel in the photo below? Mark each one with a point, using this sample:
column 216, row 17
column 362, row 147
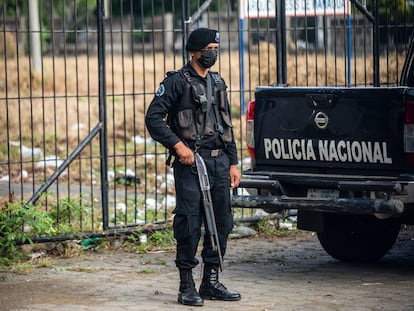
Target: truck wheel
column 358, row 238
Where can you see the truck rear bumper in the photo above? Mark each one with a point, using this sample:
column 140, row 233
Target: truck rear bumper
column 346, row 206
column 361, row 206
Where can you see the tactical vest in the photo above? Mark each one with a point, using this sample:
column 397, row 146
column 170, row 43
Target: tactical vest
column 202, row 113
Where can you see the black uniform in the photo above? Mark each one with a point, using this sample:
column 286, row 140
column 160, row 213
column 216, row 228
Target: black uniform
column 207, row 130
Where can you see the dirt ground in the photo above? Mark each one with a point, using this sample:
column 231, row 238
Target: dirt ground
column 289, row 273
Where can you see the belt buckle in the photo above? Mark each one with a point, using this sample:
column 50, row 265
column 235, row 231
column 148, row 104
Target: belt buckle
column 215, row 153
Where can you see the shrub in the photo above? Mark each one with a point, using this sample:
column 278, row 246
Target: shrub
column 19, row 224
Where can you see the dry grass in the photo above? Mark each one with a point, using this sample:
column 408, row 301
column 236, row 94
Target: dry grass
column 56, row 109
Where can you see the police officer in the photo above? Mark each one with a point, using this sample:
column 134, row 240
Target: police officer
column 190, row 113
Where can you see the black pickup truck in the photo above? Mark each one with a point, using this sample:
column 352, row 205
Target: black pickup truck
column 342, row 157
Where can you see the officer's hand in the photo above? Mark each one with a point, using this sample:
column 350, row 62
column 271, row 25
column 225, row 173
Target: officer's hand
column 185, row 154
column 234, row 176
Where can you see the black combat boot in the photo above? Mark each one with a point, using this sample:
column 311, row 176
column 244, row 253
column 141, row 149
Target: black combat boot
column 187, row 294
column 211, row 288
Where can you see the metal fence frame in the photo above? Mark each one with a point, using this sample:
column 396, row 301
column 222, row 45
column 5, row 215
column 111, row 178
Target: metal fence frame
column 104, row 172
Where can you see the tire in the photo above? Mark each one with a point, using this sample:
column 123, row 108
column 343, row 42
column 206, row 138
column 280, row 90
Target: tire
column 358, row 238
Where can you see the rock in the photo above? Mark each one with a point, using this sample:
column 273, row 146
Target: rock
column 242, row 232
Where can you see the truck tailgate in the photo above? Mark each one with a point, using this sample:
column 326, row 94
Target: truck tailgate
column 330, row 130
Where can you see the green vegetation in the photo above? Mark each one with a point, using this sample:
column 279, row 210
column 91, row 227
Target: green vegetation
column 71, row 215
column 78, row 268
column 152, row 241
column 18, row 225
column 268, row 226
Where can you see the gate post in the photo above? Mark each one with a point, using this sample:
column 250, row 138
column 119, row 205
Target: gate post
column 185, row 9
column 103, row 142
column 376, row 43
column 281, row 42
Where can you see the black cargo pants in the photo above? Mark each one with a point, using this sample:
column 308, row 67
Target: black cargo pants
column 189, row 218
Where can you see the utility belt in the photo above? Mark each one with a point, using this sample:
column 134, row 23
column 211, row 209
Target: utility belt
column 205, row 153
column 212, row 153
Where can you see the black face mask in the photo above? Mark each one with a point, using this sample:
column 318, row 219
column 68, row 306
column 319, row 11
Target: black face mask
column 208, row 58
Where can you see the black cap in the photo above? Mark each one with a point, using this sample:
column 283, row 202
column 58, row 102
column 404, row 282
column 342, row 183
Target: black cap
column 200, row 37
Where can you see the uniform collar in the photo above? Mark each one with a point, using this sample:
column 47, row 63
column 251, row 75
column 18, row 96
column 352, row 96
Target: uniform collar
column 193, row 72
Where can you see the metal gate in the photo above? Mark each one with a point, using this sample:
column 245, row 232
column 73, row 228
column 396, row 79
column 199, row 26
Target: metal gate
column 76, row 78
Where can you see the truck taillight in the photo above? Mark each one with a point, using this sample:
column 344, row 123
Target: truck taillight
column 409, row 132
column 250, row 128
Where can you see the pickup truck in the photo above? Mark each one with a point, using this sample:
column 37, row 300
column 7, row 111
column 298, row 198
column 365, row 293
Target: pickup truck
column 342, row 157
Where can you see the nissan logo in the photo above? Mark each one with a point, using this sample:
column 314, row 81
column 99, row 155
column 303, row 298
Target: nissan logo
column 321, row 120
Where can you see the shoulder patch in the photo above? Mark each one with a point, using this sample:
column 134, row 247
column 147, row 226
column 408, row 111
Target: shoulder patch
column 161, row 90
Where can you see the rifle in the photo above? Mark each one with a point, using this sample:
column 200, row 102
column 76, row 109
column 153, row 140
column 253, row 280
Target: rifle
column 208, row 206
